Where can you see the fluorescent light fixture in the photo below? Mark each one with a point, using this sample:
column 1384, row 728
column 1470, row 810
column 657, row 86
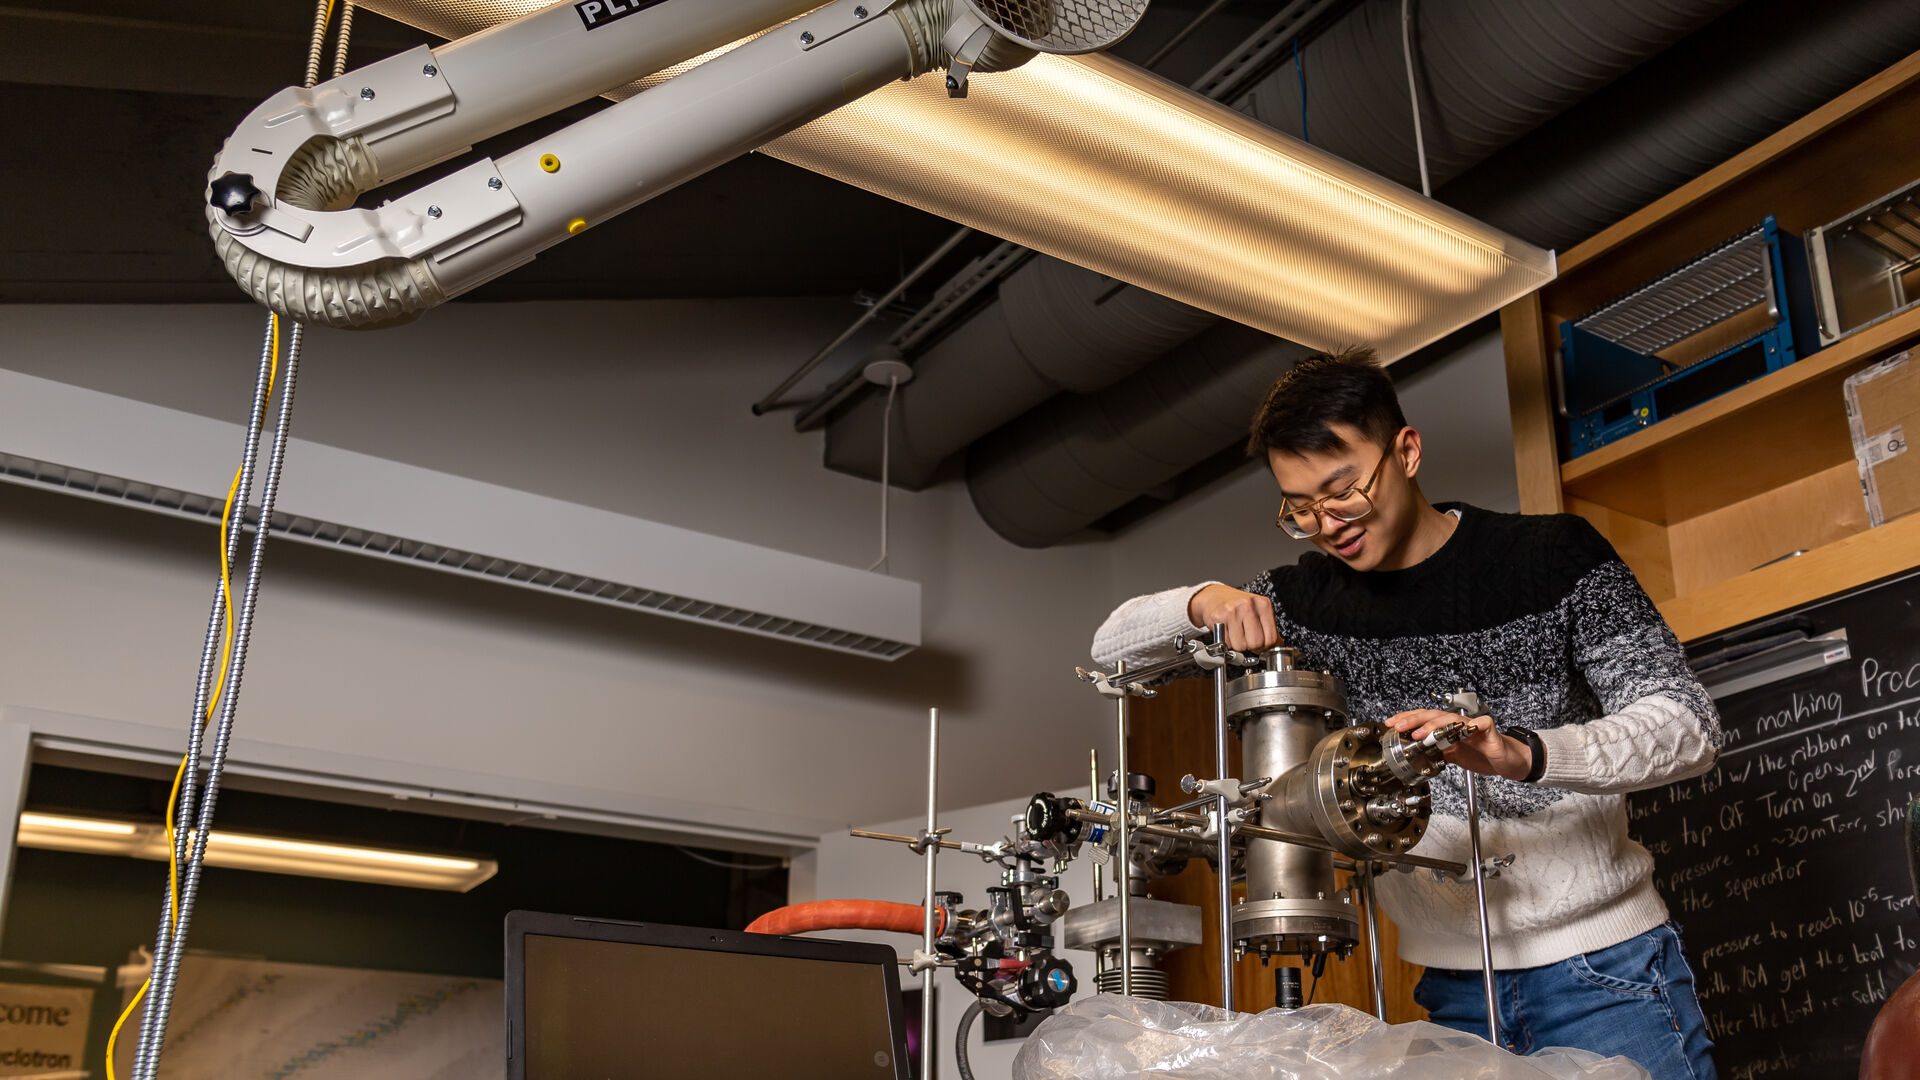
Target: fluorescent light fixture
column 80, row 826
column 269, row 854
column 1098, row 162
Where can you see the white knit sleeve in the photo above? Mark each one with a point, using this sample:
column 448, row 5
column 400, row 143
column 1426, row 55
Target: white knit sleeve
column 1141, row 631
column 1652, row 741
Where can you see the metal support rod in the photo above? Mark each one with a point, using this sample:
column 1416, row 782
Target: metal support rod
column 1480, row 896
column 1093, row 795
column 772, row 400
column 1184, row 33
column 1173, row 812
column 1223, row 827
column 869, row 834
column 926, row 926
column 1363, row 874
column 1123, row 829
column 1247, row 831
column 1184, row 659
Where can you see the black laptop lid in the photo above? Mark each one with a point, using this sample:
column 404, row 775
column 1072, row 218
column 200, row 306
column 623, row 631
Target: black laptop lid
column 592, row 999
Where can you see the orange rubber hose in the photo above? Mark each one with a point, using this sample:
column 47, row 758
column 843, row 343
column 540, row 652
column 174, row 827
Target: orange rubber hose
column 845, row 915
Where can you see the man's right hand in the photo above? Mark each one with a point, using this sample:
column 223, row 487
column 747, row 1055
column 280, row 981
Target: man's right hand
column 1248, row 617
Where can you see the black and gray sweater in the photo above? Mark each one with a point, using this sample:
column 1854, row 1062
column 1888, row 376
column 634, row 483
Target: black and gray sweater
column 1539, row 616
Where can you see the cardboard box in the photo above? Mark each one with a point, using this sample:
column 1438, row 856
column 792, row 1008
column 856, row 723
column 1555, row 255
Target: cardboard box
column 1883, row 410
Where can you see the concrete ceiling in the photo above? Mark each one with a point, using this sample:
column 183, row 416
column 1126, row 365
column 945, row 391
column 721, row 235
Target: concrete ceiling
column 115, row 108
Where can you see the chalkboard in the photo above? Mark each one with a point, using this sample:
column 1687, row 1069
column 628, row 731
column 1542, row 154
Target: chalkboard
column 1786, row 865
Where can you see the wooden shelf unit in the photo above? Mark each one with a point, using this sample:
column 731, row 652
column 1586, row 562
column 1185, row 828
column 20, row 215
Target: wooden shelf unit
column 1701, row 505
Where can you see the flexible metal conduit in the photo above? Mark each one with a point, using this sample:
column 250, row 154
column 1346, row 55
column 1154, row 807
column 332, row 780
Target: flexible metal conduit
column 1493, row 72
column 327, row 174
column 1066, row 465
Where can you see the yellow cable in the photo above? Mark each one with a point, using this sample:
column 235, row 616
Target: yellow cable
column 226, row 658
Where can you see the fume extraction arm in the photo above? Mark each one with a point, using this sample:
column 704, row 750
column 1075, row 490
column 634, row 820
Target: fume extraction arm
column 1066, row 150
column 281, row 194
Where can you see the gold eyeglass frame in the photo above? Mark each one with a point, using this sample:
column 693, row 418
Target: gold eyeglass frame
column 1363, row 489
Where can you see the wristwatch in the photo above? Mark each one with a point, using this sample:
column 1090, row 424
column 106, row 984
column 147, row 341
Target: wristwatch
column 1532, row 738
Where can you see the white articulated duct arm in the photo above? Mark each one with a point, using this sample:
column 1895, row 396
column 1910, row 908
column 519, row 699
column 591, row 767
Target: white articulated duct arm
column 280, row 195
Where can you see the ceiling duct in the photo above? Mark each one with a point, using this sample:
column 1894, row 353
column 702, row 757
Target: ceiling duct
column 1053, row 472
column 1686, row 112
column 1492, row 71
column 1055, row 327
column 112, row 449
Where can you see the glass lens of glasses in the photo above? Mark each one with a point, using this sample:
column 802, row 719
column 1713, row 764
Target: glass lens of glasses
column 1299, row 526
column 1352, row 506
column 1304, row 523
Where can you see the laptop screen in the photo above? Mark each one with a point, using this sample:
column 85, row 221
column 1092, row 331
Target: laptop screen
column 619, row 1010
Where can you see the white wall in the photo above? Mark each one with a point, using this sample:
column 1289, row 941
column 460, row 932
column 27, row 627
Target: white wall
column 637, row 407
column 634, row 407
column 847, row 868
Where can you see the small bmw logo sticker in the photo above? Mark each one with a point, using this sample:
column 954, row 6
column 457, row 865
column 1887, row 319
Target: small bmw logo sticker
column 1058, row 980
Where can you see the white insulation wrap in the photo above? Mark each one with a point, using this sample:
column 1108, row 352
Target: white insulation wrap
column 1109, row 1037
column 327, row 174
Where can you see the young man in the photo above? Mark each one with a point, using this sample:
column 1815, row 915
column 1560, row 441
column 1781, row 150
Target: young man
column 1590, row 697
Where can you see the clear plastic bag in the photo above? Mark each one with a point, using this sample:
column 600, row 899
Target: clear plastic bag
column 1108, row 1037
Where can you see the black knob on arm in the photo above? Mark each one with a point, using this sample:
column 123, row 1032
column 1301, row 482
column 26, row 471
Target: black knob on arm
column 233, row 194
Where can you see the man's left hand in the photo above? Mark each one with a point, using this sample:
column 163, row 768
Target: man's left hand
column 1485, row 751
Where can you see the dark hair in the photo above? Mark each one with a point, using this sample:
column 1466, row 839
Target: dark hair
column 1345, row 387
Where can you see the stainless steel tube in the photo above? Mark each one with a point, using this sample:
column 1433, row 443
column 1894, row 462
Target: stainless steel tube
column 1480, row 896
column 1123, row 839
column 1273, row 744
column 1225, row 837
column 926, row 927
column 1093, row 795
column 1364, row 875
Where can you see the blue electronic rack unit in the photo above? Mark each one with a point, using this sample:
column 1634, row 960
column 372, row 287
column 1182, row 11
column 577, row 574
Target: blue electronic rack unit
column 1722, row 320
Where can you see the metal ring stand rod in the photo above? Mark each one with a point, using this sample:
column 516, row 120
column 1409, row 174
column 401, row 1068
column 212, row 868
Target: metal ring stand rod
column 1222, row 826
column 1262, row 832
column 1363, row 874
column 1099, row 893
column 1480, row 896
column 932, row 849
column 1123, row 840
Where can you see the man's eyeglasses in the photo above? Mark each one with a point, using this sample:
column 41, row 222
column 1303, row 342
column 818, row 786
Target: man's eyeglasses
column 1302, row 522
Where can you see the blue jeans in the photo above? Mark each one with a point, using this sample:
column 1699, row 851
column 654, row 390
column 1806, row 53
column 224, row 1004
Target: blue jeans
column 1634, row 1000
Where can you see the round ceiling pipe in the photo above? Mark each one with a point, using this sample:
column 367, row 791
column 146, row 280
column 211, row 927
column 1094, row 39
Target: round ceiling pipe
column 1060, row 468
column 1036, row 483
column 1778, row 61
column 1489, row 70
column 1055, row 327
column 1493, row 71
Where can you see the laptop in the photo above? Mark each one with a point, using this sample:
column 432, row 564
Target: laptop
column 598, row 999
